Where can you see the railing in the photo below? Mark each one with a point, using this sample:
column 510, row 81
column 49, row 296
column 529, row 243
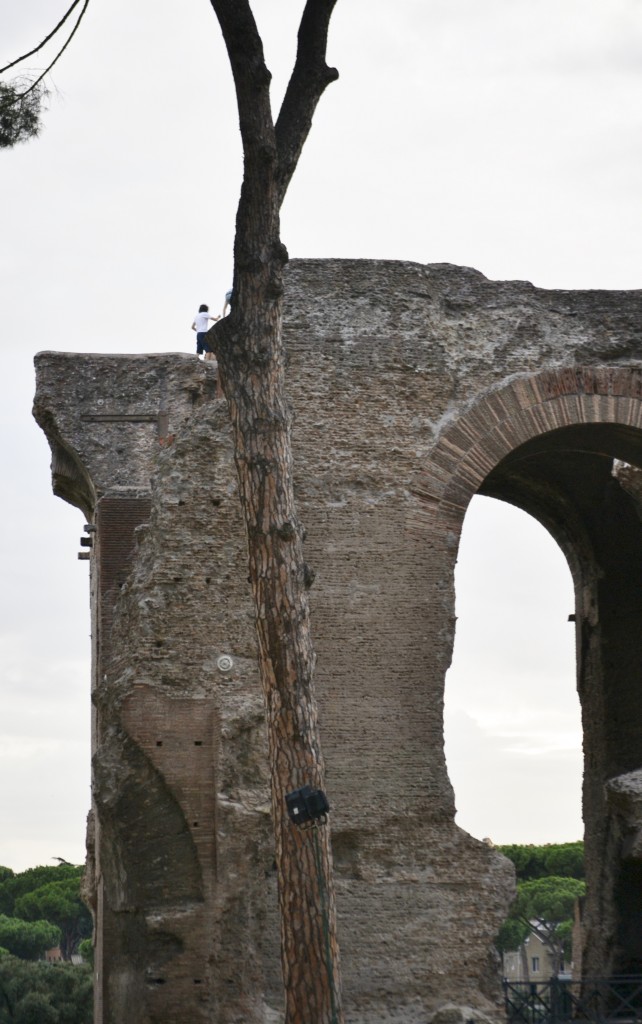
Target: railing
column 616, row 1000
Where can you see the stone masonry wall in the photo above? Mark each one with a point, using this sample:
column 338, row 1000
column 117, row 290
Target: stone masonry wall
column 411, row 387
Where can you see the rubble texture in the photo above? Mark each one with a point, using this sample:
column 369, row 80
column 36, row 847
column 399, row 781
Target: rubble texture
column 413, row 388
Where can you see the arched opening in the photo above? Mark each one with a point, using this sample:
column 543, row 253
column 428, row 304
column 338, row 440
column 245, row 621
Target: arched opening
column 512, row 720
column 566, row 479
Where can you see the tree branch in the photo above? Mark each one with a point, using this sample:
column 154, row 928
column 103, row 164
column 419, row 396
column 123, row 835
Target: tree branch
column 256, row 241
column 251, row 76
column 62, row 21
column 310, row 77
column 40, row 77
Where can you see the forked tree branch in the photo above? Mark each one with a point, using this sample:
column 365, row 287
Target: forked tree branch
column 309, row 79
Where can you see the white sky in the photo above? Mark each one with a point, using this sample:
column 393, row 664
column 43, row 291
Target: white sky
column 512, row 719
column 499, row 134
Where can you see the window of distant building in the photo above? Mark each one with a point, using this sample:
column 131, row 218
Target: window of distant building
column 535, row 964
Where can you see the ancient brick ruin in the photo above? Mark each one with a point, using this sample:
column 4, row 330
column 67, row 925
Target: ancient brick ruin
column 414, row 388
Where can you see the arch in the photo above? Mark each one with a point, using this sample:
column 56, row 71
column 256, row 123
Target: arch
column 498, row 422
column 546, row 443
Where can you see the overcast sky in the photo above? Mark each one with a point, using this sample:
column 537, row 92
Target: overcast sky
column 499, row 134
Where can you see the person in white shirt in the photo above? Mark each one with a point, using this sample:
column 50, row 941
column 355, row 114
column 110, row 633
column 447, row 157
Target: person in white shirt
column 201, row 325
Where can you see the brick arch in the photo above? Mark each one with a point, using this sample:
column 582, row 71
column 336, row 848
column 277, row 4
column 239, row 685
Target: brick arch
column 494, row 425
column 543, row 441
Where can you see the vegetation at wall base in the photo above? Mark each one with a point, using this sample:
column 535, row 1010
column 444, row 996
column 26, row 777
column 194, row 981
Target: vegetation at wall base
column 42, row 993
column 41, row 909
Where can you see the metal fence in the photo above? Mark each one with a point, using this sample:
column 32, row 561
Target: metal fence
column 616, row 1000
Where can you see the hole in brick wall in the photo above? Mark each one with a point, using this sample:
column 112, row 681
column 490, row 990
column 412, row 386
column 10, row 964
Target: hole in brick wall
column 177, row 579
column 198, row 743
column 198, row 981
column 194, row 824
column 217, row 501
column 208, row 580
column 159, row 643
column 159, row 743
column 157, row 981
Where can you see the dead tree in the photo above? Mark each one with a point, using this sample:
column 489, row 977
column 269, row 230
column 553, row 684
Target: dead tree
column 249, row 349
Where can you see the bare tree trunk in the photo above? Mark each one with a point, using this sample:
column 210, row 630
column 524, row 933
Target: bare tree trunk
column 249, row 349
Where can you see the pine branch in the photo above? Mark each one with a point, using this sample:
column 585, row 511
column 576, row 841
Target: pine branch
column 60, row 52
column 44, row 42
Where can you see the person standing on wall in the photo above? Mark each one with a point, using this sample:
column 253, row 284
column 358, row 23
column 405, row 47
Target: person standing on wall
column 201, row 325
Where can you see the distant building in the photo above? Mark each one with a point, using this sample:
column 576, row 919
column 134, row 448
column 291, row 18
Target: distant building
column 531, row 962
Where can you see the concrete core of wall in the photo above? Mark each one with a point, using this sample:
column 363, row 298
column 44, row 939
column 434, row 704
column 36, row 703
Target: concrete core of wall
column 413, row 388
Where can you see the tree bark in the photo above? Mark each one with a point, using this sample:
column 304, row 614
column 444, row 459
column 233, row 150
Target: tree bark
column 249, row 349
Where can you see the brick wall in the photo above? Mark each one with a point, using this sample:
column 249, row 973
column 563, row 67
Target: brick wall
column 413, row 388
